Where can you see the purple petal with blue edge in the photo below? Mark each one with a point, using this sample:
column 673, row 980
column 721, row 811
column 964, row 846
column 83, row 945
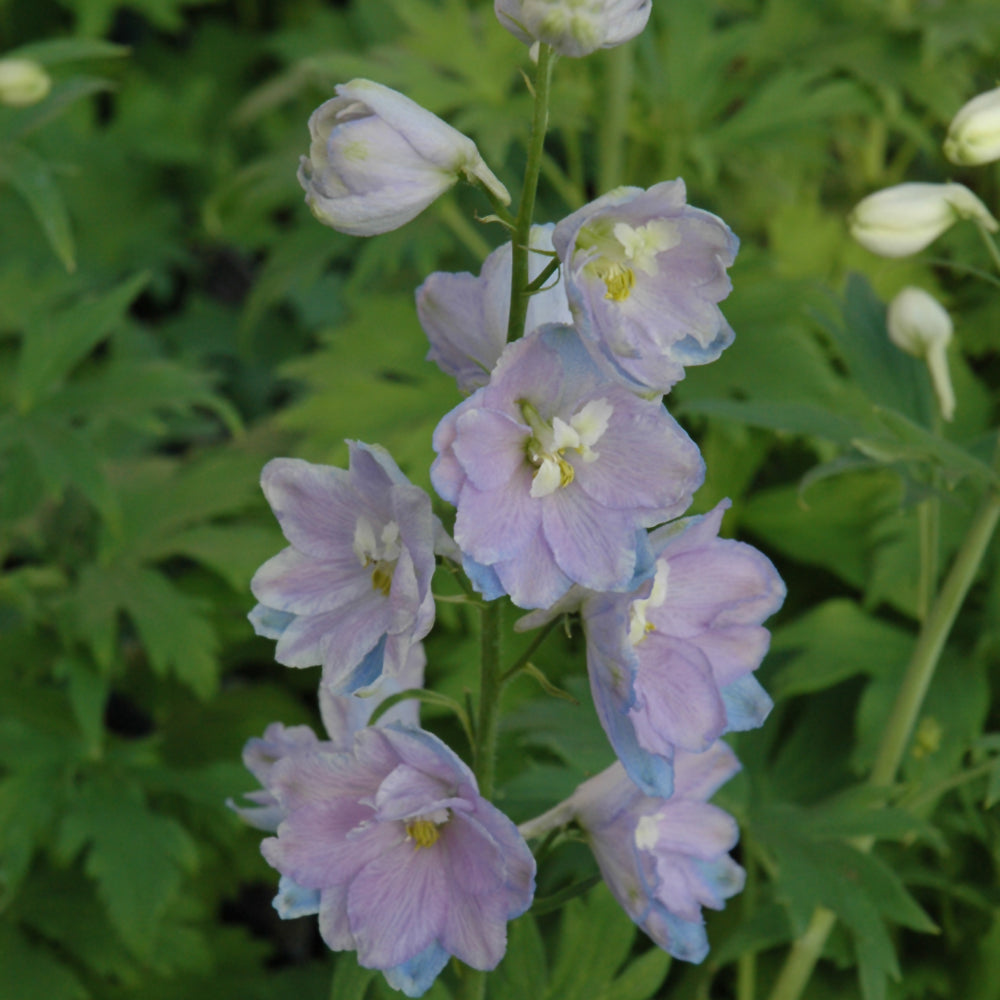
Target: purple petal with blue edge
column 415, row 976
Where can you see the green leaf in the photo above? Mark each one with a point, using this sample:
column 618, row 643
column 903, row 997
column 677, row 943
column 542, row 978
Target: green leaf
column 32, row 971
column 891, row 379
column 174, row 633
column 53, row 345
column 596, row 937
column 31, row 176
column 60, row 99
column 833, row 641
column 62, row 907
column 524, row 969
column 350, row 981
column 641, row 978
column 137, row 857
column 386, row 393
column 65, row 457
column 53, row 51
column 906, row 441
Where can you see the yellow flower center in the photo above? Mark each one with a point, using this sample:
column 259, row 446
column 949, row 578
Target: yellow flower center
column 423, row 833
column 619, row 281
column 380, row 551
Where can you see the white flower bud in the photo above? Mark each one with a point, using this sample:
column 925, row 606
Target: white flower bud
column 974, row 134
column 23, row 82
column 378, row 159
column 574, row 27
column 902, row 220
column 920, row 325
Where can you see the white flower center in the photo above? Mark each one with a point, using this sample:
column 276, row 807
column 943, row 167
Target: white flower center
column 379, row 551
column 622, row 249
column 647, row 834
column 639, row 626
column 548, row 443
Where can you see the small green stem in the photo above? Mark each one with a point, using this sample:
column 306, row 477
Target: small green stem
column 990, row 243
column 929, row 528
column 525, row 657
column 805, row 952
column 619, row 64
column 526, row 209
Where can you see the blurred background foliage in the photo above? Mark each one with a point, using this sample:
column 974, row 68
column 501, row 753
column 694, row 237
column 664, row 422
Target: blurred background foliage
column 171, row 317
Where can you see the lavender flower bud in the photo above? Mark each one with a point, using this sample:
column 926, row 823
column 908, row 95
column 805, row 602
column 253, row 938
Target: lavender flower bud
column 378, row 159
column 574, row 27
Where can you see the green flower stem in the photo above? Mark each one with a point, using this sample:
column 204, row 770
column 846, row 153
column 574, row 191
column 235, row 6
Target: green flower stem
column 928, row 521
column 805, row 952
column 619, row 63
column 526, row 209
column 990, row 243
column 490, row 685
column 484, row 756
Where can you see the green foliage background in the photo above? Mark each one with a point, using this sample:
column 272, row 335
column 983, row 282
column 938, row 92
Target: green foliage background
column 171, row 317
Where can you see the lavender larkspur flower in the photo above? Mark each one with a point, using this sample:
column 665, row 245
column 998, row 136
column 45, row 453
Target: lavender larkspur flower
column 556, row 472
column 644, row 273
column 574, row 27
column 465, row 316
column 671, row 664
column 378, row 159
column 343, row 716
column 352, row 591
column 663, row 860
column 411, row 864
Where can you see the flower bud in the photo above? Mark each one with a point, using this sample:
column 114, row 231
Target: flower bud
column 23, row 82
column 902, row 220
column 574, row 27
column 378, row 159
column 974, row 134
column 920, row 325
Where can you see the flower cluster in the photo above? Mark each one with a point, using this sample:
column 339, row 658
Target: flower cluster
column 568, row 477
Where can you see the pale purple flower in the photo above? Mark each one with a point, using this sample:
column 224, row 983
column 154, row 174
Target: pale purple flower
column 343, row 715
column 556, row 472
column 574, row 27
column 465, row 316
column 644, row 274
column 352, row 591
column 412, row 865
column 378, row 159
column 662, row 859
column 671, row 664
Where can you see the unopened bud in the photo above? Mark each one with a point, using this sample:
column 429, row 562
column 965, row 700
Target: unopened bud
column 920, row 325
column 974, row 134
column 23, row 82
column 902, row 220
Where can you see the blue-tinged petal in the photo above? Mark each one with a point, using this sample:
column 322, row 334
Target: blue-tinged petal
column 269, row 622
column 293, row 900
column 747, row 704
column 415, row 976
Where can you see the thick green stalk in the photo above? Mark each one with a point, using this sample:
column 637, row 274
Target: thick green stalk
column 484, row 758
column 614, row 120
column 490, row 686
column 806, row 951
column 526, row 209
